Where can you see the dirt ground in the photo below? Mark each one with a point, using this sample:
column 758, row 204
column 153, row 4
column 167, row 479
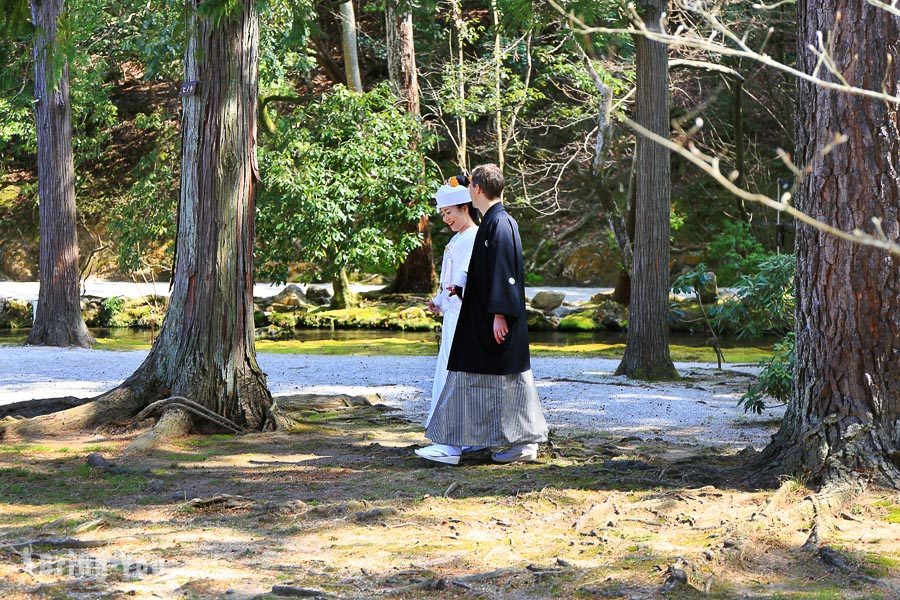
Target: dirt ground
column 340, row 507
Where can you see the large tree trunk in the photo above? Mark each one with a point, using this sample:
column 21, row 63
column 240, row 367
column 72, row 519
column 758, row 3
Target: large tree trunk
column 343, row 296
column 462, row 157
column 416, row 274
column 348, row 42
column 205, row 350
column 845, row 412
column 647, row 350
column 58, row 320
column 498, row 65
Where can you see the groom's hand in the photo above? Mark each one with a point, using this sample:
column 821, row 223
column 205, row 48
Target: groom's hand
column 500, row 328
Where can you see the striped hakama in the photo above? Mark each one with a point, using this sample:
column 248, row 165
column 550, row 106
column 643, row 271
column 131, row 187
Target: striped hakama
column 479, row 409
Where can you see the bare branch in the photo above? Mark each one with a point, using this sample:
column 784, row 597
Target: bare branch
column 893, row 7
column 690, row 39
column 709, row 165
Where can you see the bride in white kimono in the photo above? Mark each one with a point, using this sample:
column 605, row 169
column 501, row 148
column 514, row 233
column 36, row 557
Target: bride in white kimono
column 455, row 206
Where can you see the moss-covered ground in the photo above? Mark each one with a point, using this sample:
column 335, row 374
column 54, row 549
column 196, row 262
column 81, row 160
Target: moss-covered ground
column 342, row 506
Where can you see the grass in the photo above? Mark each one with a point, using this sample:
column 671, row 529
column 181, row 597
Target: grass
column 395, row 346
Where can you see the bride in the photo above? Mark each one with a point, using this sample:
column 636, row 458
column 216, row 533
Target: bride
column 459, row 214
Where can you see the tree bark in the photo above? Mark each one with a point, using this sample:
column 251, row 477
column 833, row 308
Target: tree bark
column 416, row 274
column 343, row 296
column 401, row 55
column 58, row 320
column 462, row 157
column 844, row 417
column 647, row 349
column 498, row 64
column 349, row 45
column 205, row 349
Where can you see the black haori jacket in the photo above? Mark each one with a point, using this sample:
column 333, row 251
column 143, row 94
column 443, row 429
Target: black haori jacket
column 495, row 285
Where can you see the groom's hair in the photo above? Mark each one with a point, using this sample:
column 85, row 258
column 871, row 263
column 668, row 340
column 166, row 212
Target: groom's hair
column 490, row 179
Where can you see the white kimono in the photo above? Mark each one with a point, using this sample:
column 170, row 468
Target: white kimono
column 454, row 269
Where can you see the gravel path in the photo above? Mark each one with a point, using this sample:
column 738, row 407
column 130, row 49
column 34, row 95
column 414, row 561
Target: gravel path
column 575, row 392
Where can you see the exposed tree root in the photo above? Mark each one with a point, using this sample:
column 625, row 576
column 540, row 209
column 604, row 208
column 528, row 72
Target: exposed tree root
column 864, row 455
column 176, row 422
column 190, row 406
column 41, row 406
column 119, row 404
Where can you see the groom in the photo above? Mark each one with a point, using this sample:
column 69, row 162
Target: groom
column 489, row 399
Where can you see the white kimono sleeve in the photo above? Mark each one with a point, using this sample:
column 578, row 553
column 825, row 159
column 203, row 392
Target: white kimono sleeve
column 462, row 253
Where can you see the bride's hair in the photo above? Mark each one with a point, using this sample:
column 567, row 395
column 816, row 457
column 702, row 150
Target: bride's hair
column 473, row 212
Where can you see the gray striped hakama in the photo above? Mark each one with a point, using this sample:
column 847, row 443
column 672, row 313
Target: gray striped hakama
column 478, row 409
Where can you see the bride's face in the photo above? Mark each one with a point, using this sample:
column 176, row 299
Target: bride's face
column 456, row 217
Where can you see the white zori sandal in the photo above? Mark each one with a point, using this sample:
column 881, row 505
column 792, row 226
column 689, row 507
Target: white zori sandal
column 520, row 453
column 441, row 453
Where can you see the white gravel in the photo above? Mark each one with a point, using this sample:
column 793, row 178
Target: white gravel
column 576, row 392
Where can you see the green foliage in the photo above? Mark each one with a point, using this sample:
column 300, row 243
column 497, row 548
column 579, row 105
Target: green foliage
column 735, row 251
column 93, row 114
column 693, row 280
column 146, row 218
column 110, row 308
column 342, row 178
column 220, row 11
column 764, row 301
column 775, row 380
column 153, row 35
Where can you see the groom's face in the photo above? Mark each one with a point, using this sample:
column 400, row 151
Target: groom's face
column 477, row 195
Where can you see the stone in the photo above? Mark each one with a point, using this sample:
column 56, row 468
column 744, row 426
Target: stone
column 318, row 295
column 547, row 301
column 686, row 317
column 561, row 312
column 291, row 297
column 413, row 312
column 582, row 320
column 709, row 291
column 611, row 315
column 15, row 314
column 273, row 332
column 586, row 267
column 537, row 320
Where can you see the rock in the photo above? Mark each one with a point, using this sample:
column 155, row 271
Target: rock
column 290, row 298
column 318, row 295
column 561, row 312
column 583, row 320
column 537, row 320
column 676, row 578
column 92, row 310
column 284, row 320
column 290, row 591
column 413, row 312
column 273, row 332
column 601, row 297
column 260, row 319
column 686, row 317
column 375, row 514
column 155, row 485
column 547, row 301
column 709, row 291
column 585, row 266
column 15, row 314
column 611, row 315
